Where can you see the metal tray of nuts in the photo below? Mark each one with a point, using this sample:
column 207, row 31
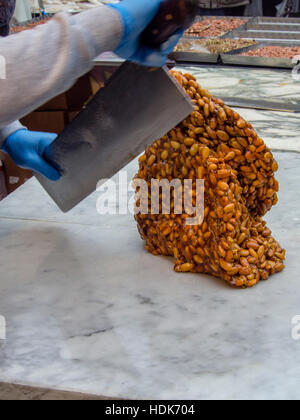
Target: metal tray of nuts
column 190, row 57
column 193, row 56
column 186, row 50
column 201, row 18
column 235, row 58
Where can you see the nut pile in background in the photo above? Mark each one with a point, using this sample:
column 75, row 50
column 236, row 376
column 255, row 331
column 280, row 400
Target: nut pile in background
column 274, row 52
column 214, row 27
column 215, row 144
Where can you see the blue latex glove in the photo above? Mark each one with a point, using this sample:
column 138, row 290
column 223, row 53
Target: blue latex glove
column 26, row 148
column 136, row 16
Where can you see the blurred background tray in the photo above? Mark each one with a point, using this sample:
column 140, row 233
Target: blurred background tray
column 189, row 49
column 188, row 55
column 194, row 57
column 202, row 18
column 235, row 58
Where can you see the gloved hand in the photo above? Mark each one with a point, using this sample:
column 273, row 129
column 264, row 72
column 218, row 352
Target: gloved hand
column 136, row 16
column 26, row 148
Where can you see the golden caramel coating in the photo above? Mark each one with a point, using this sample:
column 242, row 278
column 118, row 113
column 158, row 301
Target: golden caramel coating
column 217, row 145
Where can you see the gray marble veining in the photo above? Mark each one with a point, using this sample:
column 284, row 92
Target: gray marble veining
column 242, row 82
column 280, row 130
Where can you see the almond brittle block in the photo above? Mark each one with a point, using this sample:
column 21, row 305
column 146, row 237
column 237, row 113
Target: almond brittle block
column 217, row 145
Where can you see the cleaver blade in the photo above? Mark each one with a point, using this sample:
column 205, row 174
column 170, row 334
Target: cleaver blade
column 136, row 107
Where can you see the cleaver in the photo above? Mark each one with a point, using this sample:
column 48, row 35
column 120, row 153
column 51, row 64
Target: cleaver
column 137, row 106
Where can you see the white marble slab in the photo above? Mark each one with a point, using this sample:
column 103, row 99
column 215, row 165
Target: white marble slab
column 88, row 309
column 250, row 83
column 280, row 130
